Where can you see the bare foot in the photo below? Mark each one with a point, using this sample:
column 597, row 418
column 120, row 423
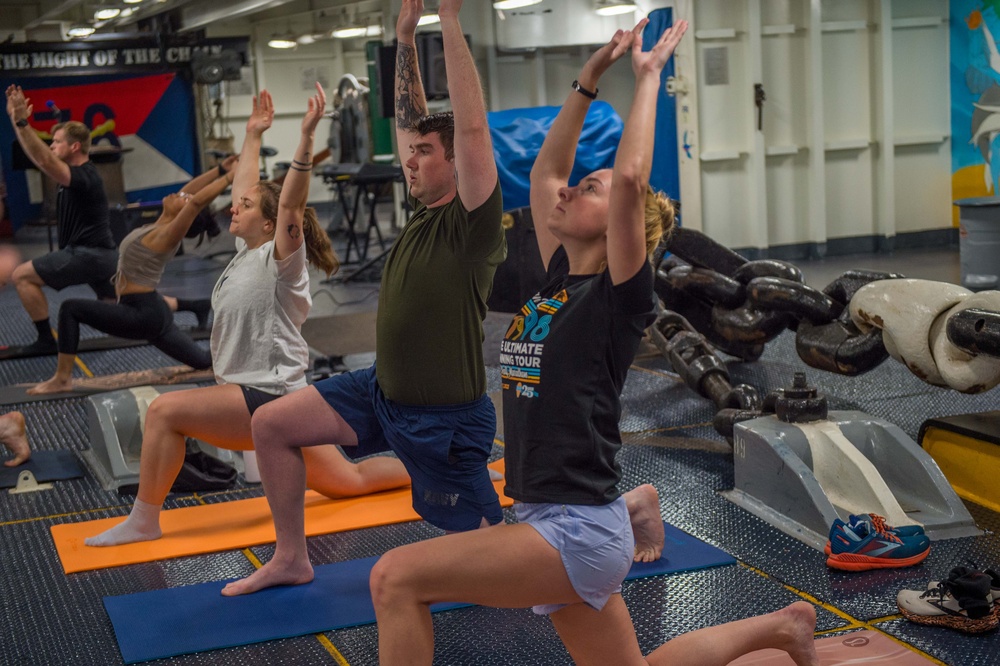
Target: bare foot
column 12, row 434
column 271, row 574
column 797, row 627
column 647, row 525
column 54, row 385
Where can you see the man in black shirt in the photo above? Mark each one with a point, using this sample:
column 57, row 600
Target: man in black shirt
column 86, row 253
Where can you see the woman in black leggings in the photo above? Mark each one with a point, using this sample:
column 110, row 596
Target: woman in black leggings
column 141, row 313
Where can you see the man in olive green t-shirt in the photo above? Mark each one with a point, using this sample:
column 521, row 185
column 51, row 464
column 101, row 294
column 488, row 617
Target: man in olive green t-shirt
column 425, row 399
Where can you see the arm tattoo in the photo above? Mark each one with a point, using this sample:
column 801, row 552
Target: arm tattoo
column 409, row 93
column 294, row 232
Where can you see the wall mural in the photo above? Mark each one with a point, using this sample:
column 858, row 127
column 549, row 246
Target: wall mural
column 975, row 97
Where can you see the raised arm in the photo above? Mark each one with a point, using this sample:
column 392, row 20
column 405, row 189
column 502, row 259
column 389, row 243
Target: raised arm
column 411, row 104
column 634, row 159
column 197, row 194
column 247, row 173
column 474, row 162
column 19, row 108
column 295, row 190
column 195, row 185
column 555, row 159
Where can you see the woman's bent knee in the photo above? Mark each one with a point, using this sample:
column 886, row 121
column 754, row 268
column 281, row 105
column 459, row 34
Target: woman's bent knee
column 167, row 410
column 267, row 425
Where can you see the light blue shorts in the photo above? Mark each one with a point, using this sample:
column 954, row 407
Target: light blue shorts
column 595, row 543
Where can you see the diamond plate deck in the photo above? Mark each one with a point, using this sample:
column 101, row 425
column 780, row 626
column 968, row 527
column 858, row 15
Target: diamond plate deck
column 57, row 619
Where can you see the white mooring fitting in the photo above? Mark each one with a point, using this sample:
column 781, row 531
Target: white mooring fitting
column 26, row 483
column 117, row 420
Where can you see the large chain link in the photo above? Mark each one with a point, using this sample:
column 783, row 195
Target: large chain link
column 945, row 334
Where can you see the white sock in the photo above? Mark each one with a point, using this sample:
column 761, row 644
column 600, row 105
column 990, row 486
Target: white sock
column 143, row 524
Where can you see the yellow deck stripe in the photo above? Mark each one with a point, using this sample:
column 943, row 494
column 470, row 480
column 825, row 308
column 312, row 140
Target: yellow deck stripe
column 80, row 364
column 83, row 367
column 257, row 564
column 323, row 640
column 58, row 515
column 86, row 512
column 334, row 652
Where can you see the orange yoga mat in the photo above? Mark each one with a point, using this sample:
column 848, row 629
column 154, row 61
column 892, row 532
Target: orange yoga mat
column 211, row 528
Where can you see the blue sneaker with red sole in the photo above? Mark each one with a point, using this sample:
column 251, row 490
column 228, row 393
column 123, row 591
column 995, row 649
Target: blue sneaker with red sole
column 879, row 524
column 860, row 546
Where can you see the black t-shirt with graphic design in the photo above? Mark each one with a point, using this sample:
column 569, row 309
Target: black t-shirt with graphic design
column 563, row 362
column 82, row 209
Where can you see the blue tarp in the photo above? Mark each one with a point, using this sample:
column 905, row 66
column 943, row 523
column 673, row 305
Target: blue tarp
column 518, row 135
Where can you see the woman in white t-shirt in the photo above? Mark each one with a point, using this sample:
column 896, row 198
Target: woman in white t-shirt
column 258, row 352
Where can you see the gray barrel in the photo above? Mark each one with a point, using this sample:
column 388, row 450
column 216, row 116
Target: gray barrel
column 979, row 242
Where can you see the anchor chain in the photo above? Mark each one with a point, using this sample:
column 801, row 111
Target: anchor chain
column 740, row 313
column 943, row 333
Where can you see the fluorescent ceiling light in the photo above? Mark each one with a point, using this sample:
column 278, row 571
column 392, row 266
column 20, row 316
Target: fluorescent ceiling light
column 106, row 13
column 427, row 19
column 132, row 2
column 348, row 33
column 613, row 9
column 513, row 4
column 80, row 31
column 305, row 39
column 282, row 43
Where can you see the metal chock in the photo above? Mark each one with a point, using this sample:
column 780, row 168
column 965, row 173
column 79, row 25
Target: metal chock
column 801, row 476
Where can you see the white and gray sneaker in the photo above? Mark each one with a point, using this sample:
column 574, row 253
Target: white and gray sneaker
column 994, row 594
column 963, row 602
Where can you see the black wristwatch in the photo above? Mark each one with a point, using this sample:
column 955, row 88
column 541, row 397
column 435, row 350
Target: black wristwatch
column 23, row 122
column 590, row 94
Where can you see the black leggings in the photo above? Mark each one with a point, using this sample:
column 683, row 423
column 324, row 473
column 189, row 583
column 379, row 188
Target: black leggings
column 136, row 317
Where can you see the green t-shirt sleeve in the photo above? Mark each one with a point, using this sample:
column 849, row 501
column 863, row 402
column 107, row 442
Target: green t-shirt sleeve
column 483, row 233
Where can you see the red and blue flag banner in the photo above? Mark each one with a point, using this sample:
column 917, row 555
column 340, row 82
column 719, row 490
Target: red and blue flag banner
column 151, row 118
column 136, row 95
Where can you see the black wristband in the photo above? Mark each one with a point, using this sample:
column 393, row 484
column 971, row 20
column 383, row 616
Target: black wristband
column 305, row 164
column 222, row 171
column 583, row 91
column 23, row 122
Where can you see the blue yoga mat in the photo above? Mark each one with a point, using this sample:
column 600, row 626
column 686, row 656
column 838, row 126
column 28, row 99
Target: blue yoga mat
column 45, row 466
column 195, row 618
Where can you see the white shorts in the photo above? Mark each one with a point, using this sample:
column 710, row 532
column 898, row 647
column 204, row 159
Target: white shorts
column 595, row 543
